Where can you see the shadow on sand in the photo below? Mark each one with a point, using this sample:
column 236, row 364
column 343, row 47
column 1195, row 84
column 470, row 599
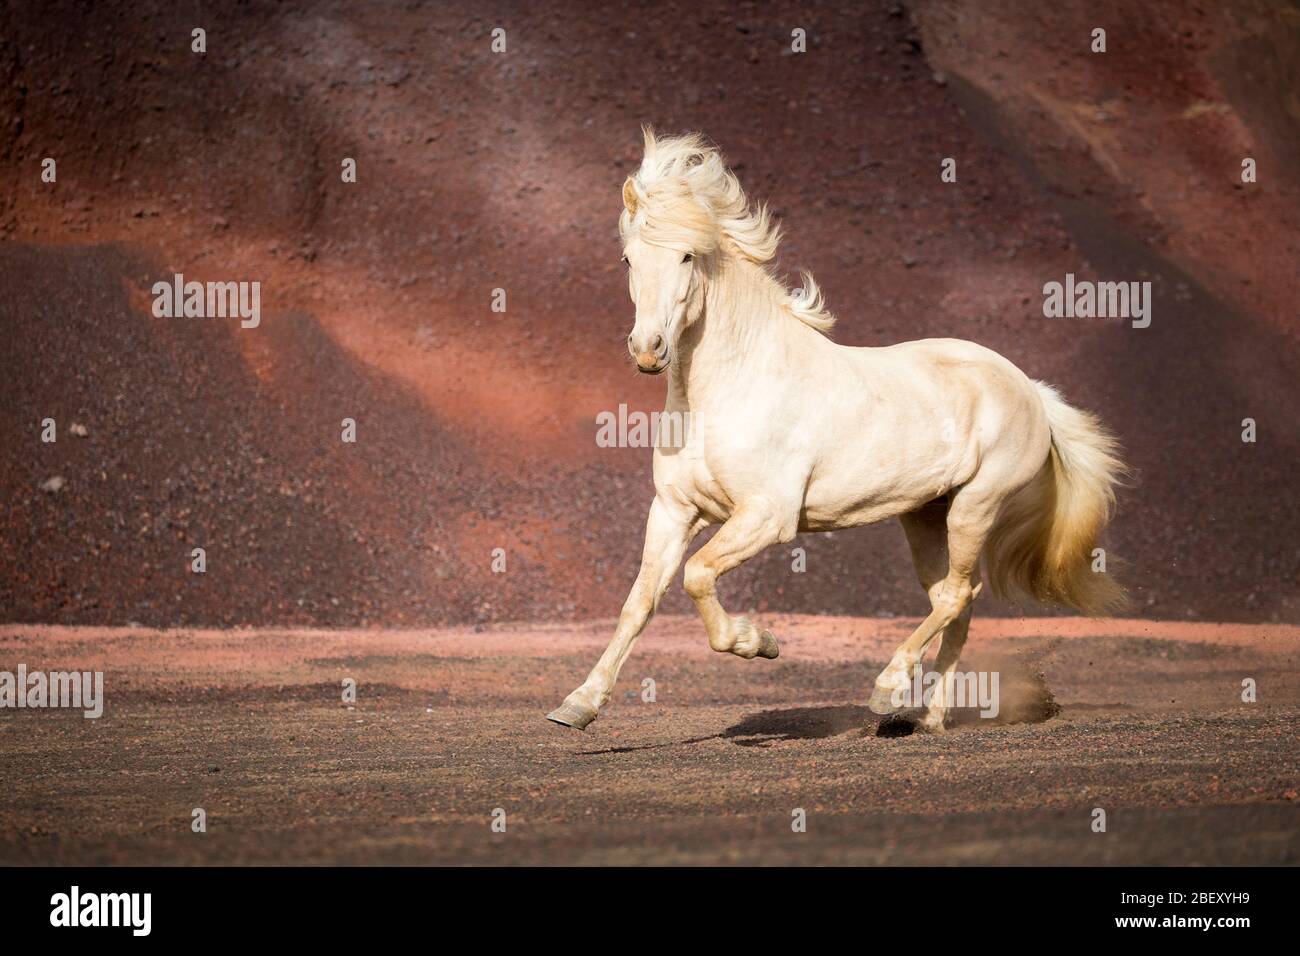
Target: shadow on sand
column 795, row 723
column 1031, row 703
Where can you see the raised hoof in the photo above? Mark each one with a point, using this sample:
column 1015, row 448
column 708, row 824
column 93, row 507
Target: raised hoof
column 882, row 703
column 568, row 715
column 767, row 646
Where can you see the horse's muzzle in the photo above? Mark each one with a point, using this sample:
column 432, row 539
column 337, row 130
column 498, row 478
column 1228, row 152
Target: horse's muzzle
column 651, row 356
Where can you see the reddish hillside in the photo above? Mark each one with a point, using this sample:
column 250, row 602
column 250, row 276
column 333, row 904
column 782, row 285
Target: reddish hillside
column 479, row 171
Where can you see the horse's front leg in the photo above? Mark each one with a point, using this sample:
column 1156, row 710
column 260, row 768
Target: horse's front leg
column 751, row 528
column 669, row 529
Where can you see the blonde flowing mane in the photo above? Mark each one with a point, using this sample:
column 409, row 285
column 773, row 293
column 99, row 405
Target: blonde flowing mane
column 684, row 196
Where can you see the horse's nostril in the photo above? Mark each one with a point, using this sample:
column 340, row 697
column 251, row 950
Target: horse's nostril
column 658, row 344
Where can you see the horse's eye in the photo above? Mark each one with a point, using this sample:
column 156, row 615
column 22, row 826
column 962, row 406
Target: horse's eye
column 687, row 258
column 624, row 259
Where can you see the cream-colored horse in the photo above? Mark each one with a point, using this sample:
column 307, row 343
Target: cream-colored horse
column 790, row 432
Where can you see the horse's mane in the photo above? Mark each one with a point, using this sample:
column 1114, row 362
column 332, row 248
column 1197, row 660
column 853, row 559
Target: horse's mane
column 684, row 195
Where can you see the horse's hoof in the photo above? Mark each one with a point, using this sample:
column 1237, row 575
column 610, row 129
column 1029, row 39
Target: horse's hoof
column 882, row 702
column 569, row 715
column 928, row 726
column 767, row 646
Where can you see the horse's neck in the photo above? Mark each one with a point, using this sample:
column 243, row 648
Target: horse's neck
column 742, row 334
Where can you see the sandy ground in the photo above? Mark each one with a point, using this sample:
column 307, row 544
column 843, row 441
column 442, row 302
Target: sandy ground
column 1143, row 719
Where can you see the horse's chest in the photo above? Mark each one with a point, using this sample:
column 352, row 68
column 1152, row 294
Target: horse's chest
column 709, row 495
column 712, row 499
column 687, row 475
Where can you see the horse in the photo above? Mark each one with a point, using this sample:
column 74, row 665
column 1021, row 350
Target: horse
column 991, row 474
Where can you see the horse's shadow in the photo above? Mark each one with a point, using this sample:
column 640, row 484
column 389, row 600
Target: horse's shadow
column 795, row 723
column 1029, row 701
column 813, row 723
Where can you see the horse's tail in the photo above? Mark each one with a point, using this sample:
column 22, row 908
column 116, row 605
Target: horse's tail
column 1042, row 544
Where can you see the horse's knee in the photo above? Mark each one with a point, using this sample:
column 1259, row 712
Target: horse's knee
column 698, row 579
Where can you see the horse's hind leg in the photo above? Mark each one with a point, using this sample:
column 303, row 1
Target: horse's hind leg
column 751, row 528
column 951, row 580
column 927, row 536
column 953, row 640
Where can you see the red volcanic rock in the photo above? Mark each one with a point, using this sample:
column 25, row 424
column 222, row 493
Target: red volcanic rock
column 475, row 429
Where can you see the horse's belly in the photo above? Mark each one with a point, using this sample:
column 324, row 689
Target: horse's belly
column 849, row 514
column 847, row 496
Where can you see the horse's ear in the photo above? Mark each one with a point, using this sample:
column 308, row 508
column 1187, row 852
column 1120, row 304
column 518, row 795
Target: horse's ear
column 629, row 196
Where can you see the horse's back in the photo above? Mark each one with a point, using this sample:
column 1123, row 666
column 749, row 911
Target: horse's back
column 977, row 399
column 949, row 365
column 949, row 353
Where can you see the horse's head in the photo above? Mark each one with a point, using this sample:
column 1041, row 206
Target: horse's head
column 682, row 212
column 666, row 288
column 685, row 219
